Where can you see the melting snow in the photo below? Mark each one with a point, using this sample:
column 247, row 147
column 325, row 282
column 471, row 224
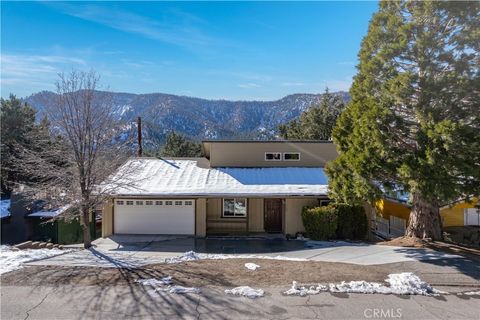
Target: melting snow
column 470, row 293
column 166, row 285
column 192, row 256
column 399, row 283
column 246, row 291
column 13, row 259
column 251, row 266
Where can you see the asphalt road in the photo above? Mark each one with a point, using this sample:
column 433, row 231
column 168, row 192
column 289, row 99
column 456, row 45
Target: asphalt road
column 134, row 301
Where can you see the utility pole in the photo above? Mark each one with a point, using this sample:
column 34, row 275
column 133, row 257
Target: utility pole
column 139, row 127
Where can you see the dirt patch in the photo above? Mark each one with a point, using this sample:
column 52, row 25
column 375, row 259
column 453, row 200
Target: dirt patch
column 405, row 242
column 224, row 273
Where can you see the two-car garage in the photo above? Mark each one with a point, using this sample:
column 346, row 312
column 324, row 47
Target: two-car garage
column 154, row 216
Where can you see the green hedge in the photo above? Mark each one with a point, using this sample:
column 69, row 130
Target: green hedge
column 320, row 222
column 352, row 222
column 335, row 221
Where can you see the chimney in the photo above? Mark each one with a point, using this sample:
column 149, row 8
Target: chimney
column 139, row 127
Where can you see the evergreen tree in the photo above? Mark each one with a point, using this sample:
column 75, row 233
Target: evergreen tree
column 177, row 145
column 17, row 123
column 413, row 124
column 316, row 123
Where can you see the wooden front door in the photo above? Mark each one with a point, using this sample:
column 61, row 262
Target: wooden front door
column 273, row 215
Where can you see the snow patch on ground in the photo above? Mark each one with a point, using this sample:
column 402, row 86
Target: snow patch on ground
column 192, row 256
column 470, row 293
column 246, row 291
column 5, row 208
column 13, row 259
column 166, row 285
column 251, row 266
column 405, row 283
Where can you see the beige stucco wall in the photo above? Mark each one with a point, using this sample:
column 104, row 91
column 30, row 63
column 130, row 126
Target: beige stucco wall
column 107, row 218
column 293, row 214
column 255, row 215
column 252, row 154
column 201, row 217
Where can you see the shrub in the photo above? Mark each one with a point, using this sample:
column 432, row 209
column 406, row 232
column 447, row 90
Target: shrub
column 320, row 222
column 352, row 222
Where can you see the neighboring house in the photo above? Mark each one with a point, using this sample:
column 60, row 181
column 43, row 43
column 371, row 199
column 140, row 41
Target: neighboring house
column 26, row 220
column 53, row 226
column 391, row 215
column 239, row 187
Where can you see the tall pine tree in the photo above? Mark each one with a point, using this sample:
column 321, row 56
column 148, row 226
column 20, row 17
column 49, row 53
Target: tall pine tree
column 413, row 123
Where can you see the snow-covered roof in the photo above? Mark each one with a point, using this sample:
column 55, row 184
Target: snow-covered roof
column 5, row 208
column 50, row 213
column 165, row 177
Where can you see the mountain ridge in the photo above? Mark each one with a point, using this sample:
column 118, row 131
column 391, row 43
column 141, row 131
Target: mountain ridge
column 200, row 118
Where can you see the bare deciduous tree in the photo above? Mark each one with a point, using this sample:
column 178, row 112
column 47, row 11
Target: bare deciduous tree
column 85, row 118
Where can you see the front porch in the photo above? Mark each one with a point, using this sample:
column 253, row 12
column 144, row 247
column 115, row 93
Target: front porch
column 250, row 216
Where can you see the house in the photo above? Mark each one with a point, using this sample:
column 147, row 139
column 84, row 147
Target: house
column 51, row 225
column 238, row 187
column 391, row 215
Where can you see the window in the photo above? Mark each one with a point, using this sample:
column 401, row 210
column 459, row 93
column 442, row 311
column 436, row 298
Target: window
column 178, row 203
column 148, row 202
column 139, row 203
column 236, row 207
column 324, row 203
column 273, row 156
column 120, row 202
column 168, row 203
column 129, row 203
column 291, row 156
column 159, row 203
column 188, row 203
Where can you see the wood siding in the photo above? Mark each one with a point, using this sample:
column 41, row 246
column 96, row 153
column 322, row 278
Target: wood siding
column 255, row 215
column 252, row 154
column 293, row 214
column 201, row 217
column 107, row 219
column 218, row 224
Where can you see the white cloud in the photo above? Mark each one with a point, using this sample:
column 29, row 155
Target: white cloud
column 23, row 74
column 249, row 85
column 292, row 84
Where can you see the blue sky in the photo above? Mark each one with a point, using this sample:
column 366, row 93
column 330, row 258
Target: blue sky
column 231, row 50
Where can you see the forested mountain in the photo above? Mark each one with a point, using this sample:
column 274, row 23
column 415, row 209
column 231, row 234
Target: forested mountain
column 200, row 118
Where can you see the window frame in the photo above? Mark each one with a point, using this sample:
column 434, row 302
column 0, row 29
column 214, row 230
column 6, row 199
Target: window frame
column 139, row 202
column 243, row 216
column 178, row 202
column 273, row 152
column 120, row 202
column 291, row 159
column 129, row 202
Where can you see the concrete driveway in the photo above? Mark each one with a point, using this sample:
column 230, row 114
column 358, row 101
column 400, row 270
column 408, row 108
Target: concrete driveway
column 139, row 250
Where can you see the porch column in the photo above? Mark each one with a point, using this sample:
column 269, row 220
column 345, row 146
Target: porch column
column 107, row 218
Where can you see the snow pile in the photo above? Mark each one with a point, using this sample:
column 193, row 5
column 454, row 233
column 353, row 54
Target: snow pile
column 246, row 291
column 251, row 266
column 296, row 290
column 166, row 285
column 155, row 282
column 13, row 259
column 187, row 256
column 405, row 283
column 193, row 256
column 5, row 208
column 470, row 293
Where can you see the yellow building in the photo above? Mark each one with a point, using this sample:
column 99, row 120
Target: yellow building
column 457, row 214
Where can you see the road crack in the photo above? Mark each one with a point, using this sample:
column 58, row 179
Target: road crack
column 37, row 305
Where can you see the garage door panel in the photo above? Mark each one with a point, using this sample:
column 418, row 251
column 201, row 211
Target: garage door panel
column 155, row 219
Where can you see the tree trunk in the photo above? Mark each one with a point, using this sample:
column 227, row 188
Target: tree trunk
column 85, row 223
column 425, row 221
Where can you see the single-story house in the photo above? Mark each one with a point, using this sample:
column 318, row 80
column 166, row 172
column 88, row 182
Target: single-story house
column 238, row 187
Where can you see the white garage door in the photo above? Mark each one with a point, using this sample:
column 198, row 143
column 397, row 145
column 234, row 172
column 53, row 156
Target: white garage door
column 154, row 216
column 472, row 217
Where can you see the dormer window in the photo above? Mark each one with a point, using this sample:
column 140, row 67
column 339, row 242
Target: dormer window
column 291, row 156
column 273, row 156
